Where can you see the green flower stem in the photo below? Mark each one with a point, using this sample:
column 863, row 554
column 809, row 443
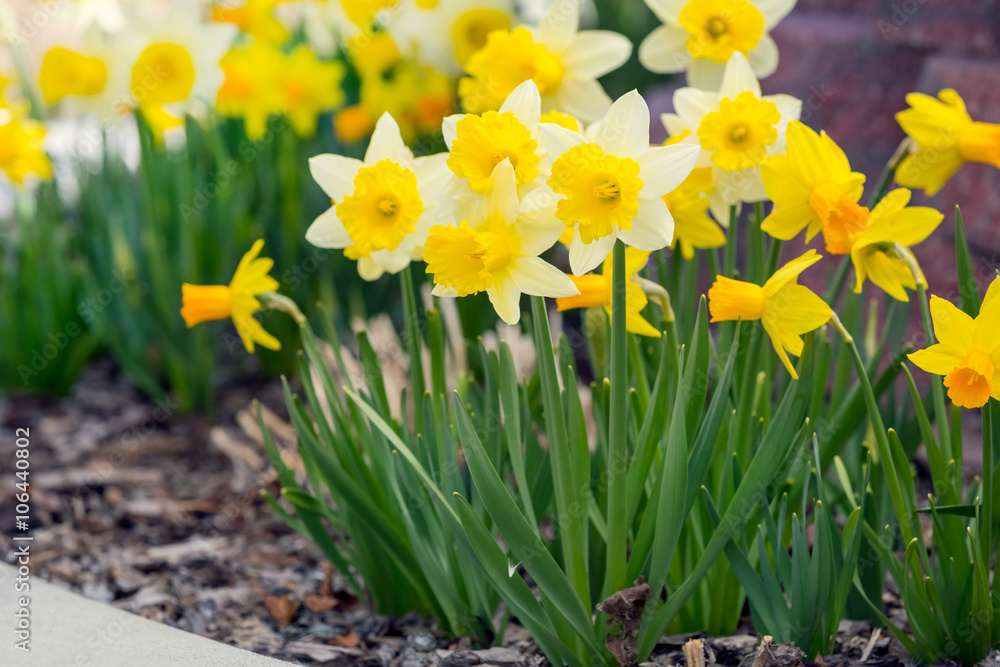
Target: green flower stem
column 986, row 518
column 617, row 467
column 906, row 520
column 413, row 345
column 731, row 243
column 888, row 172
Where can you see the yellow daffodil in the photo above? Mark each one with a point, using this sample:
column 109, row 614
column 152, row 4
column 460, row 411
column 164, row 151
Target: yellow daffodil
column 563, row 62
column 249, row 89
column 21, row 153
column 383, row 205
column 736, row 128
column 493, row 247
column 688, row 204
column 595, row 292
column 813, row 188
column 786, row 309
column 946, row 138
column 178, row 65
column 364, row 12
column 446, row 33
column 253, row 17
column 891, row 229
column 309, row 87
column 700, row 36
column 237, row 300
column 373, row 54
column 610, row 184
column 967, row 353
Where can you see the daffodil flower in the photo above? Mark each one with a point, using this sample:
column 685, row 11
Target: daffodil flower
column 688, row 204
column 610, row 183
column 595, row 292
column 446, row 33
column 493, row 247
column 891, row 229
column 255, row 18
column 237, row 300
column 308, row 87
column 89, row 79
column 736, row 128
column 946, row 137
column 478, row 143
column 383, row 205
column 21, row 152
column 786, row 309
column 564, row 63
column 178, row 62
column 967, row 353
column 813, row 188
column 700, row 36
column 249, row 90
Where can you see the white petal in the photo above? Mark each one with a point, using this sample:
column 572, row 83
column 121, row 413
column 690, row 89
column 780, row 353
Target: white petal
column 526, row 103
column 664, row 168
column 393, row 261
column 444, row 291
column 596, row 52
column 652, row 227
column 738, row 77
column 335, row 174
column 539, row 199
column 538, row 231
column 506, row 299
column 558, row 27
column 789, row 107
column 369, row 270
column 387, row 143
column 432, row 177
column 625, row 129
column 501, row 193
column 454, row 189
column 554, row 140
column 327, row 231
column 693, row 104
column 584, row 258
column 448, row 128
column 664, row 51
column 533, row 275
column 773, row 11
column 720, row 209
column 764, row 57
column 705, row 74
column 675, row 124
column 667, row 11
column 583, row 98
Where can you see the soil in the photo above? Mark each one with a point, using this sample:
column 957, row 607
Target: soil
column 160, row 514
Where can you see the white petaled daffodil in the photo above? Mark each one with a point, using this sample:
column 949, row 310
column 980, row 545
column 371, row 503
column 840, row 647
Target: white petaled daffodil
column 609, row 183
column 445, row 33
column 736, row 128
column 477, row 143
column 563, row 61
column 493, row 247
column 382, row 206
column 177, row 68
column 700, row 36
column 90, row 78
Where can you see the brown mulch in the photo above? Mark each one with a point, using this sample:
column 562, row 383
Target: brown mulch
column 159, row 514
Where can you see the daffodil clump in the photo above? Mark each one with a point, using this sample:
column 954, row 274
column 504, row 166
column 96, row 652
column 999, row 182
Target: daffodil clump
column 615, row 375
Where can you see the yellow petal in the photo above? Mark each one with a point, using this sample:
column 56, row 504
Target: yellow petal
column 929, row 168
column 779, row 348
column 787, row 220
column 637, row 324
column 791, row 271
column 595, row 290
column 795, row 310
column 952, row 326
column 938, row 359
